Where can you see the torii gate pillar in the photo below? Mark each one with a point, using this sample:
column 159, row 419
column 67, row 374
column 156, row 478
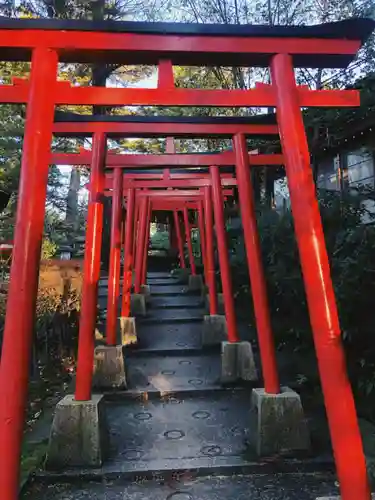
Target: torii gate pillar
column 237, row 360
column 321, row 301
column 79, row 428
column 109, row 360
column 127, row 322
column 19, row 321
column 195, row 280
column 214, row 329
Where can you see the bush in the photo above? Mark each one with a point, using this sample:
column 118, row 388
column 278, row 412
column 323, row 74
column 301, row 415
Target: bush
column 160, row 240
column 49, row 249
column 351, row 250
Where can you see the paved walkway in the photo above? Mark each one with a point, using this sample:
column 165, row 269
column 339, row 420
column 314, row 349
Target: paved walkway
column 177, row 434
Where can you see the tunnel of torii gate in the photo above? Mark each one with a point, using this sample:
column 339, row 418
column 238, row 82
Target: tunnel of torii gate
column 280, row 48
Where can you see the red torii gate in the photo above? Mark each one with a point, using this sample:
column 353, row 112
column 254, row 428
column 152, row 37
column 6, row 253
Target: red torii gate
column 114, row 160
column 281, row 49
column 118, row 161
column 72, row 124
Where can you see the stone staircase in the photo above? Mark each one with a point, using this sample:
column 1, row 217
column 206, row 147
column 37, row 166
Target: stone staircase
column 177, row 433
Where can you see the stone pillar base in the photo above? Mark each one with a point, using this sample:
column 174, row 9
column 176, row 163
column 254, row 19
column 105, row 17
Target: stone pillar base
column 195, row 282
column 220, row 303
column 79, row 434
column 138, row 304
column 181, row 274
column 145, row 290
column 109, row 367
column 237, row 362
column 214, row 330
column 280, row 422
column 204, row 294
column 128, row 331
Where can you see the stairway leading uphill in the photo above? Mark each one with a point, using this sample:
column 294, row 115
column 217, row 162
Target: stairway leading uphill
column 177, row 433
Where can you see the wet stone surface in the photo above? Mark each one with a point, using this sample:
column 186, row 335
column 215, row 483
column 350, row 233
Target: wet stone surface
column 158, row 275
column 188, row 301
column 206, row 430
column 169, row 336
column 173, row 373
column 180, row 314
column 165, row 432
column 162, row 281
column 188, row 487
column 168, row 289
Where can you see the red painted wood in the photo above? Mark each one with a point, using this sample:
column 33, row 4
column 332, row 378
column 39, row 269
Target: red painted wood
column 133, row 48
column 147, row 239
column 254, row 263
column 171, row 183
column 91, row 272
column 23, row 285
column 141, row 242
column 114, row 260
column 338, row 397
column 202, row 237
column 222, row 247
column 188, row 175
column 178, row 193
column 211, row 274
column 173, row 205
column 160, row 129
column 128, row 253
column 262, row 96
column 165, row 160
column 165, row 74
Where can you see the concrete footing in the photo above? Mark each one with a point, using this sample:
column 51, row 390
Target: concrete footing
column 181, row 274
column 79, row 434
column 237, row 362
column 204, row 293
column 220, row 303
column 109, row 367
column 138, row 304
column 214, row 330
column 145, row 290
column 128, row 331
column 280, row 422
column 195, row 282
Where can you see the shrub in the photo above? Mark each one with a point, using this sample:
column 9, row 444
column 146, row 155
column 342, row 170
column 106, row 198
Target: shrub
column 160, row 240
column 351, row 249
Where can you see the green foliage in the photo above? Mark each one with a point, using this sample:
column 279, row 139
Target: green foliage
column 351, row 250
column 160, row 240
column 49, row 249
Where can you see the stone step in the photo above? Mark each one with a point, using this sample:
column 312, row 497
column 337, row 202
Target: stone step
column 176, row 301
column 165, row 373
column 153, row 394
column 136, row 352
column 169, row 336
column 168, row 289
column 163, row 281
column 190, row 486
column 158, row 274
column 152, row 320
column 208, row 433
column 162, row 435
column 197, row 305
column 175, row 315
